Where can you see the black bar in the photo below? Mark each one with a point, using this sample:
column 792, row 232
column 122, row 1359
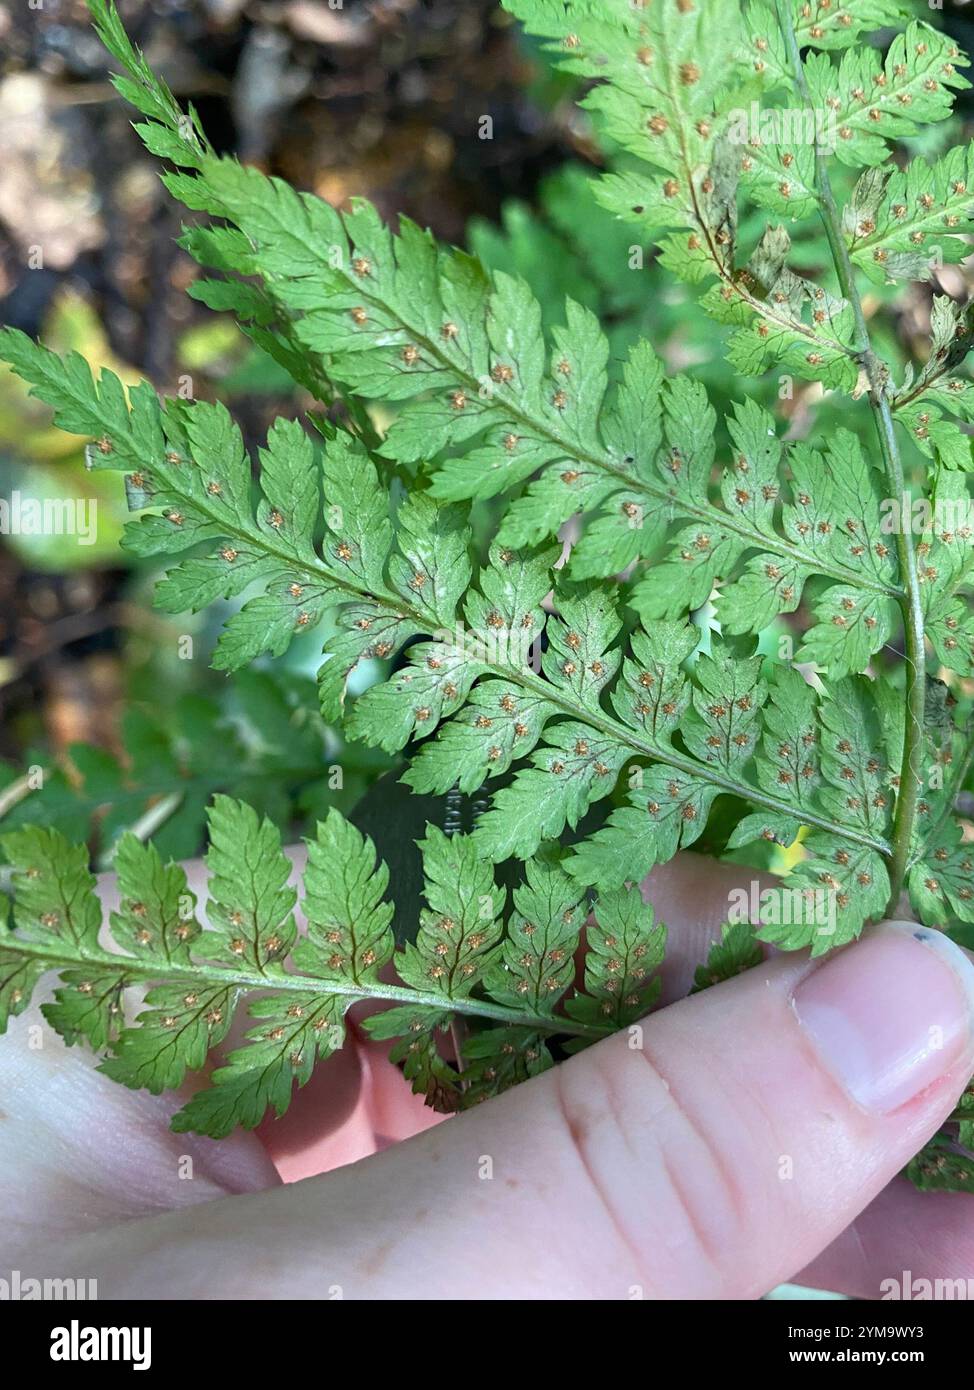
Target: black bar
column 214, row 1339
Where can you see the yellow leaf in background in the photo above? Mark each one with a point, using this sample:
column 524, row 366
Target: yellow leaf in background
column 39, row 463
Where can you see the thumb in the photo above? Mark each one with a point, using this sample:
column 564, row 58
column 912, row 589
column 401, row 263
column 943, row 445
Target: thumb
column 756, row 1121
column 708, row 1153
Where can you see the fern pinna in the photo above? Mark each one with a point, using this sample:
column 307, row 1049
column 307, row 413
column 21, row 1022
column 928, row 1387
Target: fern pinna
column 711, row 660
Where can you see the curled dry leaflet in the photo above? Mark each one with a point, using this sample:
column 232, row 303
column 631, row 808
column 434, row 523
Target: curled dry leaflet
column 742, row 650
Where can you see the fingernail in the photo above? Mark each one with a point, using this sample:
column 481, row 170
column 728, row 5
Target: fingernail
column 891, row 1014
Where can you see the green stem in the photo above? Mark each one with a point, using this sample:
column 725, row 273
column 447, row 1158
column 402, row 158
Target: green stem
column 146, row 825
column 877, row 374
column 16, row 792
column 155, row 971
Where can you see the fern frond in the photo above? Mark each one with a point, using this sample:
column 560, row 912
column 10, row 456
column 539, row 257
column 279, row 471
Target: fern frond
column 940, row 881
column 297, row 989
column 736, row 951
column 201, row 480
column 629, row 738
column 396, row 318
column 901, row 223
column 482, row 637
column 938, row 389
column 819, row 24
column 876, row 102
column 537, row 961
column 941, row 1166
column 728, row 723
column 624, row 944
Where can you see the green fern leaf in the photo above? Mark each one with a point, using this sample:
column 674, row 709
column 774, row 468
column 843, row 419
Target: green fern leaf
column 940, row 1167
column 902, row 223
column 874, row 103
column 416, row 1035
column 940, row 880
column 537, row 964
column 737, row 950
column 818, row 24
column 461, row 928
column 625, row 946
column 499, row 1059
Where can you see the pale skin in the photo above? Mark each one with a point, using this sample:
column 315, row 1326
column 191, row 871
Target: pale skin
column 653, row 1171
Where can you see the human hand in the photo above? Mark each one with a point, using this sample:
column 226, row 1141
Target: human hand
column 752, row 1134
